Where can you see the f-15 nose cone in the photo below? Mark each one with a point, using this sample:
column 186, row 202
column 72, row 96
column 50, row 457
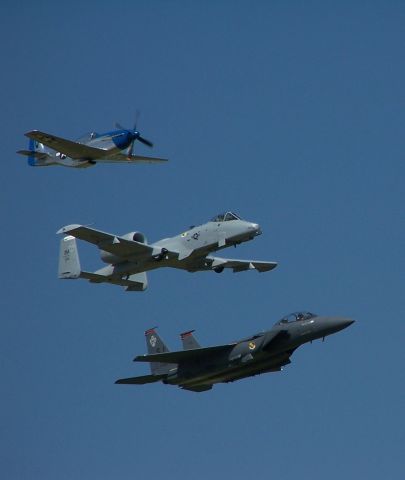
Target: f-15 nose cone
column 349, row 322
column 339, row 323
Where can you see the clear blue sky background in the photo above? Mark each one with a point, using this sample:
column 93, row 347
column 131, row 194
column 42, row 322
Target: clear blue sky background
column 291, row 114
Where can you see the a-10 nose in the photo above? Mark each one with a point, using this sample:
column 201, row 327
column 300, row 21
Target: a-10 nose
column 256, row 228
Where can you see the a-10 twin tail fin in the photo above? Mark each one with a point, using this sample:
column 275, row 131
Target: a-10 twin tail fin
column 69, row 262
column 69, row 268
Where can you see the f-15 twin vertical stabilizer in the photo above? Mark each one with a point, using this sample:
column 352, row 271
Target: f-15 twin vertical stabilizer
column 159, row 370
column 154, row 345
column 188, row 340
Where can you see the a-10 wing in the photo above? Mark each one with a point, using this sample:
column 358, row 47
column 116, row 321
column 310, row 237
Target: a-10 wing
column 106, row 241
column 240, row 265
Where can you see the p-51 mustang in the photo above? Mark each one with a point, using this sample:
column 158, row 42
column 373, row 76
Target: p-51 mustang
column 197, row 369
column 130, row 256
column 110, row 147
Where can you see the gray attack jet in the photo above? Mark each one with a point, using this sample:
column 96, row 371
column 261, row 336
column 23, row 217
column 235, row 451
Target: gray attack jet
column 130, row 256
column 114, row 146
column 197, row 368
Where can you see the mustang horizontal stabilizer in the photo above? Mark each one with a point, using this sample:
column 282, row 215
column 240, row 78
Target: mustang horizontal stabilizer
column 71, row 149
column 241, row 265
column 33, row 153
column 140, row 380
column 185, row 355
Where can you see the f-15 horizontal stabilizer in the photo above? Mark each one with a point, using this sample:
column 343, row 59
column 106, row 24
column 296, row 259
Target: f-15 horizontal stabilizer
column 140, row 380
column 198, row 388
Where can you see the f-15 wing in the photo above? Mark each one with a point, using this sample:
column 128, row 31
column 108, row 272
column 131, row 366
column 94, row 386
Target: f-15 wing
column 185, row 355
column 240, row 265
column 74, row 150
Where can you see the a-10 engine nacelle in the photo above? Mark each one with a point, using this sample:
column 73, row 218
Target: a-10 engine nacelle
column 108, row 257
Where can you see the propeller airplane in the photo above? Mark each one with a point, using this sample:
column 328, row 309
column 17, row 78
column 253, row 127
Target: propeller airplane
column 115, row 146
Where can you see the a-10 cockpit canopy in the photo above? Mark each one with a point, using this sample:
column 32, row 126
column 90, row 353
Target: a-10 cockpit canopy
column 295, row 317
column 225, row 217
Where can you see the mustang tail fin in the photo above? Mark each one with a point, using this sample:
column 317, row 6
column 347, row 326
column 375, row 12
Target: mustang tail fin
column 69, row 263
column 37, row 153
column 155, row 344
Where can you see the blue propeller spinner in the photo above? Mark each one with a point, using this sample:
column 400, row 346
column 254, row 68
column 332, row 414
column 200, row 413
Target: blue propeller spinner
column 132, row 135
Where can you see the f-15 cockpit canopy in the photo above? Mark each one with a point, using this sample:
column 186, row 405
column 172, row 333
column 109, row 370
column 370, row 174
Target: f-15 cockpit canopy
column 225, row 217
column 295, row 317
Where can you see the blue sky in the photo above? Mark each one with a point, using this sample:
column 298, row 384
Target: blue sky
column 289, row 113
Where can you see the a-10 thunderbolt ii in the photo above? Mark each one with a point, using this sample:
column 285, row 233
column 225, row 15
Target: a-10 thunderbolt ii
column 130, row 256
column 115, row 146
column 197, row 368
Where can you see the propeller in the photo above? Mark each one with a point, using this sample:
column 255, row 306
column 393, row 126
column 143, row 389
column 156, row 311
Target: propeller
column 135, row 135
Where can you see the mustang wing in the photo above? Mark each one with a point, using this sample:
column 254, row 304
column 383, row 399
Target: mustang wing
column 121, row 157
column 184, row 355
column 241, row 265
column 106, row 241
column 75, row 150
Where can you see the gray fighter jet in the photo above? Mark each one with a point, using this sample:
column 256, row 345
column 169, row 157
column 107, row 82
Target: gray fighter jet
column 197, row 369
column 130, row 256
